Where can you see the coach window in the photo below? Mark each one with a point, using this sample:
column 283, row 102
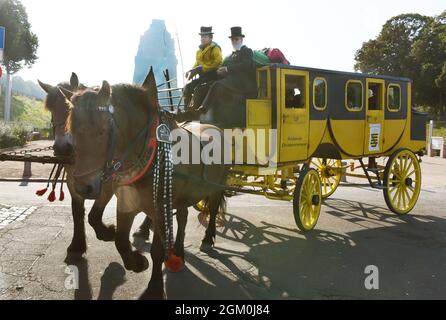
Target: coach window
column 320, row 94
column 294, row 92
column 375, row 96
column 354, row 95
column 394, row 98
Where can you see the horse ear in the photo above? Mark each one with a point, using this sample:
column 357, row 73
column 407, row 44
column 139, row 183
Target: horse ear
column 74, row 80
column 104, row 93
column 46, row 87
column 66, row 93
column 150, row 85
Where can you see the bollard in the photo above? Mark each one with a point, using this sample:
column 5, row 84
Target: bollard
column 430, row 152
column 27, row 170
column 344, row 170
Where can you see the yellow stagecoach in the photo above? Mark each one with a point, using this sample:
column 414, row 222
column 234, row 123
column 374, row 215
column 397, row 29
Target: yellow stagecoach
column 312, row 120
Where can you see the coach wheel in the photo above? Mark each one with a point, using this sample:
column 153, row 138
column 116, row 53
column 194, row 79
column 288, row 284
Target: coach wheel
column 307, row 200
column 330, row 173
column 402, row 178
column 204, row 215
column 200, row 206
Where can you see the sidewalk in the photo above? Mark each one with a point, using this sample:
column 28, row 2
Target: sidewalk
column 15, row 169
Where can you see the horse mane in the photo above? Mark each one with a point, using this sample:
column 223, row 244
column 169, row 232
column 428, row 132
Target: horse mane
column 123, row 96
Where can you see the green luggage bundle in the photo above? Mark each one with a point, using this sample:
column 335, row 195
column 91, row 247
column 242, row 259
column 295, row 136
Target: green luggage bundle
column 260, row 58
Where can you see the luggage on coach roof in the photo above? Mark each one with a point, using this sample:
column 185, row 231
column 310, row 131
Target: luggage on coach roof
column 275, row 56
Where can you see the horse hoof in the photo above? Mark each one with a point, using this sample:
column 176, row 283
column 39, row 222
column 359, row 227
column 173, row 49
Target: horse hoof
column 153, row 295
column 138, row 264
column 108, row 234
column 206, row 247
column 142, row 234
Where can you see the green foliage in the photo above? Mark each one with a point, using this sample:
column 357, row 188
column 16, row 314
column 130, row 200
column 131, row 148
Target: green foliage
column 13, row 135
column 28, row 111
column 413, row 46
column 439, row 129
column 20, row 43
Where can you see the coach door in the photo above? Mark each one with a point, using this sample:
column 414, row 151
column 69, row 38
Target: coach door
column 374, row 120
column 294, row 115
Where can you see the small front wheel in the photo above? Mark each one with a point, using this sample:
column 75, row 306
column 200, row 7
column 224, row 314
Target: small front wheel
column 330, row 172
column 402, row 179
column 307, row 200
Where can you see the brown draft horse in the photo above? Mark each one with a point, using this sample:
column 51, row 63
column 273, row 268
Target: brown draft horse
column 107, row 125
column 56, row 103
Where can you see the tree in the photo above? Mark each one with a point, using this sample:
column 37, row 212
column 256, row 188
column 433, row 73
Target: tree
column 20, row 43
column 413, row 46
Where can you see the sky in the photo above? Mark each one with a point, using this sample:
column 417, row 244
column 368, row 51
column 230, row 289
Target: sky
column 98, row 39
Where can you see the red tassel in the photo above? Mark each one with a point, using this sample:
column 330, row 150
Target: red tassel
column 174, row 263
column 40, row 193
column 52, row 196
column 62, row 196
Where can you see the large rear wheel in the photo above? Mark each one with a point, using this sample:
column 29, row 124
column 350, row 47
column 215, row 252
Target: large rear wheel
column 402, row 179
column 307, row 200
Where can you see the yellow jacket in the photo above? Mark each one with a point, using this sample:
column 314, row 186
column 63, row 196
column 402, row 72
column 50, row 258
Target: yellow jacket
column 209, row 58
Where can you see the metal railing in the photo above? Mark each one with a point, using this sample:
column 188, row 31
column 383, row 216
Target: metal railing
column 170, row 94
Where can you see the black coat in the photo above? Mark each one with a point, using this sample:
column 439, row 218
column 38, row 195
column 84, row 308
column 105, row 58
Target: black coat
column 241, row 76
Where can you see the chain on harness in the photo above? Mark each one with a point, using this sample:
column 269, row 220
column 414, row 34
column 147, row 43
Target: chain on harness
column 162, row 193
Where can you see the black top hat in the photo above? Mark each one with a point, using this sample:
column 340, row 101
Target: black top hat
column 236, row 32
column 206, row 31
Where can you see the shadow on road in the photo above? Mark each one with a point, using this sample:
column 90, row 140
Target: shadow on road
column 269, row 261
column 281, row 262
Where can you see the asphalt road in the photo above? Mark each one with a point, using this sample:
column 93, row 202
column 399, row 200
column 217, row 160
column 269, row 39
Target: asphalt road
column 259, row 253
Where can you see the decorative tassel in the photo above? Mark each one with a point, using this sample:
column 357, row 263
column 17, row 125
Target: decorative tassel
column 52, row 196
column 62, row 194
column 174, row 263
column 42, row 192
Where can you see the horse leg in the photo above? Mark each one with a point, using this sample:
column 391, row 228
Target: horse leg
column 182, row 214
column 155, row 289
column 214, row 203
column 78, row 244
column 133, row 260
column 103, row 232
column 143, row 231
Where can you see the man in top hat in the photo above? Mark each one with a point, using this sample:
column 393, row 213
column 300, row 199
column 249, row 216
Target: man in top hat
column 237, row 74
column 208, row 60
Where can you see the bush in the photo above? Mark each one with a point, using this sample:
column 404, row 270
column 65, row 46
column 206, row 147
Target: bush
column 13, row 135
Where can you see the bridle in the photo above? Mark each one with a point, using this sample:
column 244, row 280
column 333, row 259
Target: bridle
column 113, row 166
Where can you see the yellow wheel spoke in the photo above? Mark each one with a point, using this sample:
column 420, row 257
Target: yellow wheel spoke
column 396, row 194
column 410, row 165
column 403, row 196
column 392, row 189
column 411, row 173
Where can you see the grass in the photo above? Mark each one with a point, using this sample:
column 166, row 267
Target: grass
column 27, row 111
column 27, row 115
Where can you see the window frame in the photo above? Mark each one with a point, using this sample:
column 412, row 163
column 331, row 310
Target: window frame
column 268, row 82
column 346, row 94
column 387, row 97
column 314, row 95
